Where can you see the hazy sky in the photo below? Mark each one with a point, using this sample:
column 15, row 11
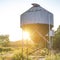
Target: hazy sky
column 10, row 11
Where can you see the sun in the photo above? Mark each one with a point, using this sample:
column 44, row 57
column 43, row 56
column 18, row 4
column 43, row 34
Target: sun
column 26, row 35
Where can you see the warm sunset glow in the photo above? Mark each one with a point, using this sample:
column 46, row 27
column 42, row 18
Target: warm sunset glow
column 26, row 35
column 10, row 11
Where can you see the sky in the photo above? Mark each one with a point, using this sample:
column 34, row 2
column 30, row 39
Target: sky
column 10, row 11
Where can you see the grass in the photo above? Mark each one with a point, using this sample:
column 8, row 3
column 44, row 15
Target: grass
column 53, row 57
column 4, row 55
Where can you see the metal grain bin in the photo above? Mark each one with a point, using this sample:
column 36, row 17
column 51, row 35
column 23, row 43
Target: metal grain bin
column 36, row 19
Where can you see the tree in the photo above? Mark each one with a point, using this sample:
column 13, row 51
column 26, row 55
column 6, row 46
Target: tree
column 4, row 40
column 56, row 41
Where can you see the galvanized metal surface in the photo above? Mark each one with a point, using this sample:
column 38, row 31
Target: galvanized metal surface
column 36, row 15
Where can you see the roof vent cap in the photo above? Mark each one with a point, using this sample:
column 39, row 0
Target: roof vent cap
column 35, row 5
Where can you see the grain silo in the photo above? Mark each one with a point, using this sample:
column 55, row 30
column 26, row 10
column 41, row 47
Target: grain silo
column 36, row 20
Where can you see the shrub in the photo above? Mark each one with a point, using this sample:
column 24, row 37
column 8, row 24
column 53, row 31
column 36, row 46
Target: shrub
column 5, row 49
column 19, row 56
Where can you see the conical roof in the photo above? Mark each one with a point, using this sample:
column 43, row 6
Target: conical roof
column 36, row 15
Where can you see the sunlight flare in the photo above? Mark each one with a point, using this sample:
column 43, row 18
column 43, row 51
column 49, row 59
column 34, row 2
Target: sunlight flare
column 26, row 35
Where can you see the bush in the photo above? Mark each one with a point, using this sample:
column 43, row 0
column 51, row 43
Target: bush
column 5, row 49
column 19, row 56
column 44, row 52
